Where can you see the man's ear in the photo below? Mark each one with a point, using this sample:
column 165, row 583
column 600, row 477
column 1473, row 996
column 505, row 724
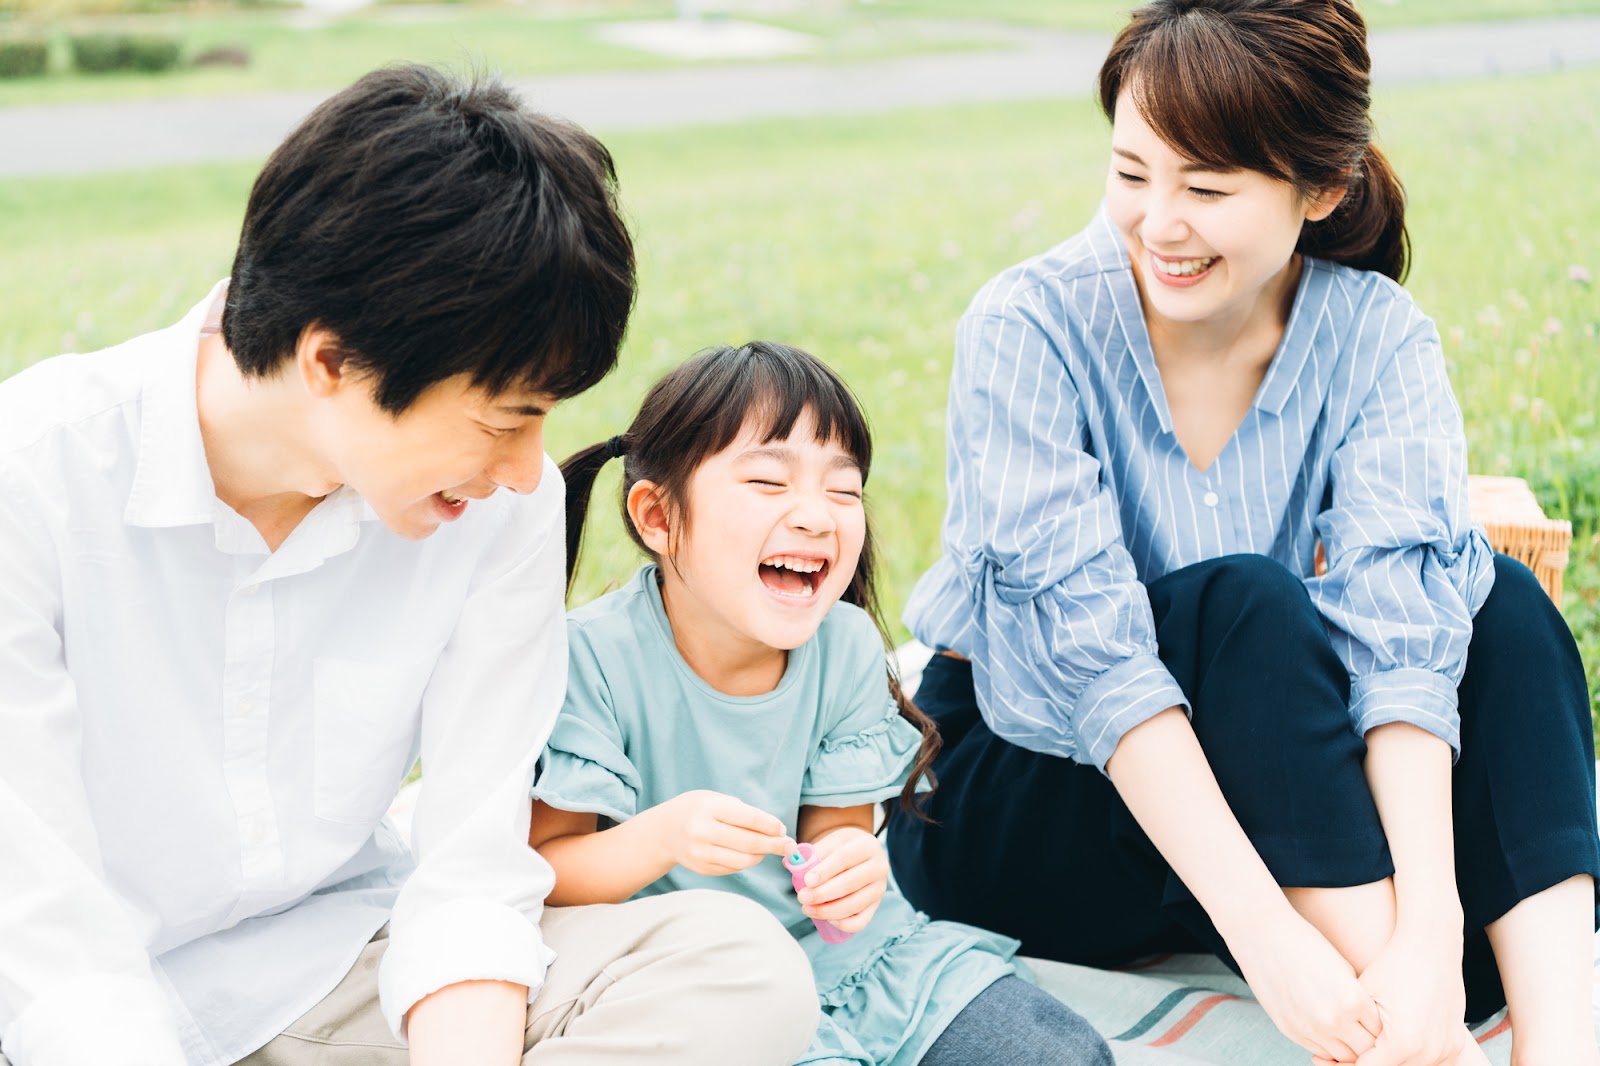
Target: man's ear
column 650, row 515
column 320, row 361
column 1323, row 204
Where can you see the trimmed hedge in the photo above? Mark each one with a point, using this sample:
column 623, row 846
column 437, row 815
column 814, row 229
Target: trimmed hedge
column 23, row 58
column 102, row 53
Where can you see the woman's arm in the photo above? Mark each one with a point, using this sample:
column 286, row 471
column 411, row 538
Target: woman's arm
column 706, row 832
column 1416, row 978
column 1306, row 987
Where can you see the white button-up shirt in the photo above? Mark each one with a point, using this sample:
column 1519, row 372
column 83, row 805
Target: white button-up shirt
column 199, row 737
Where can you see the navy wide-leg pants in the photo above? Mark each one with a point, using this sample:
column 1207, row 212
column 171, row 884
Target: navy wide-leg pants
column 1043, row 849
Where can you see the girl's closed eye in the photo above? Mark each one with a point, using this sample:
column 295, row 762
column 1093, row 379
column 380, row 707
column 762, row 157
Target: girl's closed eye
column 1130, row 179
column 1207, row 194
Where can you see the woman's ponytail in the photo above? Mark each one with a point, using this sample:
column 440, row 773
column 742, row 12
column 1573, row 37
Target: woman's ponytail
column 580, row 471
column 1368, row 228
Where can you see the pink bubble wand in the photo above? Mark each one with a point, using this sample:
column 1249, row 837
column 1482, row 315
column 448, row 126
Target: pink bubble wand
column 799, row 863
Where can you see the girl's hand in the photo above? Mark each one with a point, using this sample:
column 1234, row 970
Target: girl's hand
column 715, row 835
column 848, row 881
column 1416, row 983
column 1308, row 989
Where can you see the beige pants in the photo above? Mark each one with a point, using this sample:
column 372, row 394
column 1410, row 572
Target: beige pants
column 697, row 978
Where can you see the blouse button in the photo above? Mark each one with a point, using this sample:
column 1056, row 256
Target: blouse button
column 1210, row 499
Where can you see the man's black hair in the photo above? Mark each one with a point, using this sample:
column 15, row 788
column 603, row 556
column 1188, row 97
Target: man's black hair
column 435, row 227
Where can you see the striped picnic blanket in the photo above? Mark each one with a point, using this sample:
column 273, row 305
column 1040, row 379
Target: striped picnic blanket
column 1189, row 1010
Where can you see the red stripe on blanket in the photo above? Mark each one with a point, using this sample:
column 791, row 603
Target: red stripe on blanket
column 1505, row 1023
column 1190, row 1020
column 1144, row 964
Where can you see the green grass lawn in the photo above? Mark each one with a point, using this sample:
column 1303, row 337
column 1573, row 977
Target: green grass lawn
column 862, row 239
column 287, row 52
column 1111, row 14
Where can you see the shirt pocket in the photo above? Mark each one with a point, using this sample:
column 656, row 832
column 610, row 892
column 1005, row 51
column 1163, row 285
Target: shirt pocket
column 365, row 736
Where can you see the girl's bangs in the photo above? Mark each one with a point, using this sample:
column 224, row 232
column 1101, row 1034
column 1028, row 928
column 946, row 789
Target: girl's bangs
column 788, row 384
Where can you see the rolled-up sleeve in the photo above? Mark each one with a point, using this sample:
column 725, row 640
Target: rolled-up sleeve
column 471, row 910
column 69, row 947
column 1406, row 569
column 1062, row 638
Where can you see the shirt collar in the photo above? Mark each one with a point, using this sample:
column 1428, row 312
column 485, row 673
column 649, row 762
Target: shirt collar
column 172, row 483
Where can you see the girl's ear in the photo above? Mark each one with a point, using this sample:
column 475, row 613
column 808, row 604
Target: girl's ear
column 647, row 510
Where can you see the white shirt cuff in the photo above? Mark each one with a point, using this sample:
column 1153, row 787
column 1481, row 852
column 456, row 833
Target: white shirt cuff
column 462, row 940
column 116, row 1019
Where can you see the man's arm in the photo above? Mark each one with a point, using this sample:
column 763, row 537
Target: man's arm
column 468, row 916
column 68, row 948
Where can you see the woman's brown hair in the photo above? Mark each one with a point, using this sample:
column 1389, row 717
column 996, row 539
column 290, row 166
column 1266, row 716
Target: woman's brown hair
column 701, row 408
column 1275, row 86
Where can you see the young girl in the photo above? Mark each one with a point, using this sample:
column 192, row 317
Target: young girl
column 1353, row 783
column 725, row 705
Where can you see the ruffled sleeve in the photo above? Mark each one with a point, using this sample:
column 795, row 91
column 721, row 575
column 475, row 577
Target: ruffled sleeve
column 585, row 767
column 869, row 749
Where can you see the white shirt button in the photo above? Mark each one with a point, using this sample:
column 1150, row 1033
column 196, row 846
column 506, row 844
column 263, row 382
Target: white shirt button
column 1210, row 499
column 249, row 590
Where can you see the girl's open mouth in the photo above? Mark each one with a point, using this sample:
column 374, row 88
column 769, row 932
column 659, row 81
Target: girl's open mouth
column 793, row 575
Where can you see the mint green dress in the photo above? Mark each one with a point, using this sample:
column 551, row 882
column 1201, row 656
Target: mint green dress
column 640, row 727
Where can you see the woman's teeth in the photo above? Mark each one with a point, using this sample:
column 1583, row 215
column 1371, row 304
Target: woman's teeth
column 450, row 497
column 1183, row 267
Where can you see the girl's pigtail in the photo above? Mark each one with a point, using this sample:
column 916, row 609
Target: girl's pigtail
column 863, row 592
column 579, row 471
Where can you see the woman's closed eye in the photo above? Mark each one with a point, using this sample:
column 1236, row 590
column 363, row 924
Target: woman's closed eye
column 1130, row 179
column 1207, row 194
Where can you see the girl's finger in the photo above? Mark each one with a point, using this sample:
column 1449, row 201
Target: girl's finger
column 726, row 860
column 846, row 906
column 843, row 884
column 855, row 850
column 745, row 841
column 738, row 813
column 1338, row 1050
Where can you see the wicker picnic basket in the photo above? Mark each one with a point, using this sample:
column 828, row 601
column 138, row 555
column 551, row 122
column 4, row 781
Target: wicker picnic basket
column 1516, row 525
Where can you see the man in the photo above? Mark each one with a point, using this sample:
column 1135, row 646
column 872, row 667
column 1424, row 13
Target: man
column 252, row 564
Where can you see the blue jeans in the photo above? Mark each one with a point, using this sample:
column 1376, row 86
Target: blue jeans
column 1015, row 1023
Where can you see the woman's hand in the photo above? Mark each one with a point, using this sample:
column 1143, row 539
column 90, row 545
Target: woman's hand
column 848, row 881
column 1416, row 983
column 1308, row 989
column 714, row 835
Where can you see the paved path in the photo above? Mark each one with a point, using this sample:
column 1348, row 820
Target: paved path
column 86, row 138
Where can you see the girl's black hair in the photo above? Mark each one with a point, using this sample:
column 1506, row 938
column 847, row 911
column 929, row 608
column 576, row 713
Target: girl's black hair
column 702, row 407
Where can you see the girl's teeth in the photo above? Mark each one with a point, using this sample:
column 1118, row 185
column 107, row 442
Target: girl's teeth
column 1184, row 267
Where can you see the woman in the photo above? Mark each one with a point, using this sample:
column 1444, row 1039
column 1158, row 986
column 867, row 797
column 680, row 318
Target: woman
column 1153, row 428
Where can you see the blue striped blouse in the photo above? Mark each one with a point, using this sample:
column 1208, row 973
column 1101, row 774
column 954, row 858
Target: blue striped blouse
column 1068, row 491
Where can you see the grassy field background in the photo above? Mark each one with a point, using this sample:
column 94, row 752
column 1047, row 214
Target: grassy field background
column 291, row 48
column 294, row 49
column 862, row 240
